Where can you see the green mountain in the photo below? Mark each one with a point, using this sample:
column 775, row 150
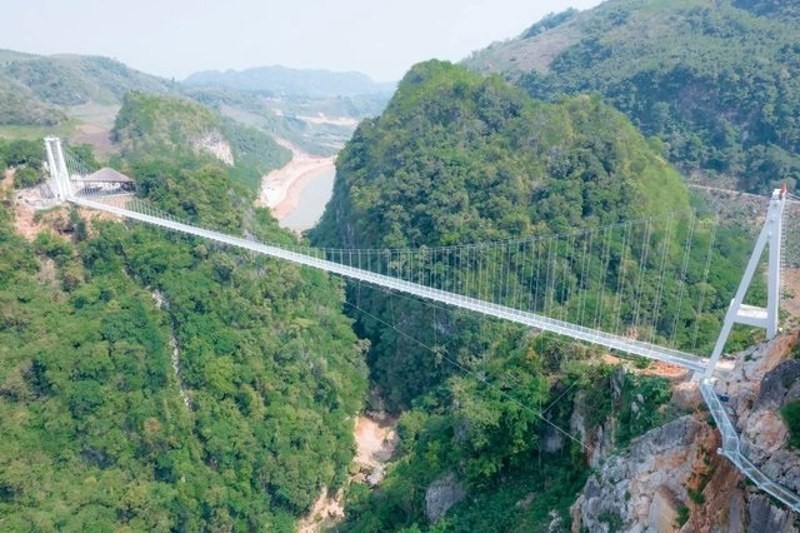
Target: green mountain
column 457, row 158
column 37, row 88
column 717, row 81
column 73, row 80
column 314, row 109
column 165, row 125
column 770, row 8
column 155, row 382
column 284, row 81
column 317, row 125
column 460, row 158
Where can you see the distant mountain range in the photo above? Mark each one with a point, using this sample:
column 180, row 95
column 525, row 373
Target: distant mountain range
column 80, row 96
column 285, row 81
column 36, row 90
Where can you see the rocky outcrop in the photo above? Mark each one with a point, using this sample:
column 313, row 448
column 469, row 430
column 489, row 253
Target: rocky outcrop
column 215, row 144
column 760, row 383
column 599, row 441
column 779, row 386
column 765, row 516
column 644, row 488
column 441, row 495
column 161, row 303
column 671, row 478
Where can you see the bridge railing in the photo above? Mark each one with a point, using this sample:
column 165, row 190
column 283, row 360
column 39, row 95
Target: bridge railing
column 732, row 446
column 623, row 344
column 734, row 449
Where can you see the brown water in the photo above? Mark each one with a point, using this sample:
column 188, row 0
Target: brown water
column 311, row 204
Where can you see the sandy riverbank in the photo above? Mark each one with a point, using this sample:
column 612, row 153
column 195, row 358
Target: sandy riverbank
column 281, row 189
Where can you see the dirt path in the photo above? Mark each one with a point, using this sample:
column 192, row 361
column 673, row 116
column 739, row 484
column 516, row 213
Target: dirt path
column 281, row 189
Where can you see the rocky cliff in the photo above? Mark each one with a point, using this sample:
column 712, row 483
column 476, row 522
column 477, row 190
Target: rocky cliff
column 672, row 479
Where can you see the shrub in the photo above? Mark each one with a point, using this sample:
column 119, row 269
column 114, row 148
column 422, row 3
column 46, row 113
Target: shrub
column 683, row 515
column 27, row 177
column 791, row 415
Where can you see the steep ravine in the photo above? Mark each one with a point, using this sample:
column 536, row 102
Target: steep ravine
column 376, row 438
column 672, row 478
column 175, row 352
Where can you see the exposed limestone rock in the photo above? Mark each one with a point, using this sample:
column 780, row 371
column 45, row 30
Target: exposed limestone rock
column 725, row 506
column 441, row 495
column 162, row 303
column 779, row 386
column 552, row 441
column 757, row 393
column 617, row 383
column 600, row 441
column 643, row 488
column 215, row 144
column 556, row 524
column 758, row 385
column 766, row 517
column 375, row 477
column 766, row 432
column 672, row 474
column 663, row 511
column 686, row 395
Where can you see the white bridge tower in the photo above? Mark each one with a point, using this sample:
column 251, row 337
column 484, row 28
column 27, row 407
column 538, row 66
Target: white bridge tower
column 59, row 175
column 759, row 317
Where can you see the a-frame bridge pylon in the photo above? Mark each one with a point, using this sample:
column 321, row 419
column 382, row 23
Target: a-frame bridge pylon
column 759, row 317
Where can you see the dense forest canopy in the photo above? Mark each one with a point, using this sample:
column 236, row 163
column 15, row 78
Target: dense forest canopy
column 716, row 81
column 158, row 382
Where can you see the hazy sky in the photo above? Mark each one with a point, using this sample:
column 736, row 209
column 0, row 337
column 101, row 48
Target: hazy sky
column 174, row 38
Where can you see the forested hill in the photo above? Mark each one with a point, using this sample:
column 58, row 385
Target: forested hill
column 153, row 382
column 770, row 8
column 163, row 126
column 718, row 81
column 77, row 97
column 459, row 158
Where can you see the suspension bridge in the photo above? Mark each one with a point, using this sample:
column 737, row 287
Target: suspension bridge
column 609, row 287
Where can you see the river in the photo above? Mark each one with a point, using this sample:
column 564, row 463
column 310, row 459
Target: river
column 311, row 202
